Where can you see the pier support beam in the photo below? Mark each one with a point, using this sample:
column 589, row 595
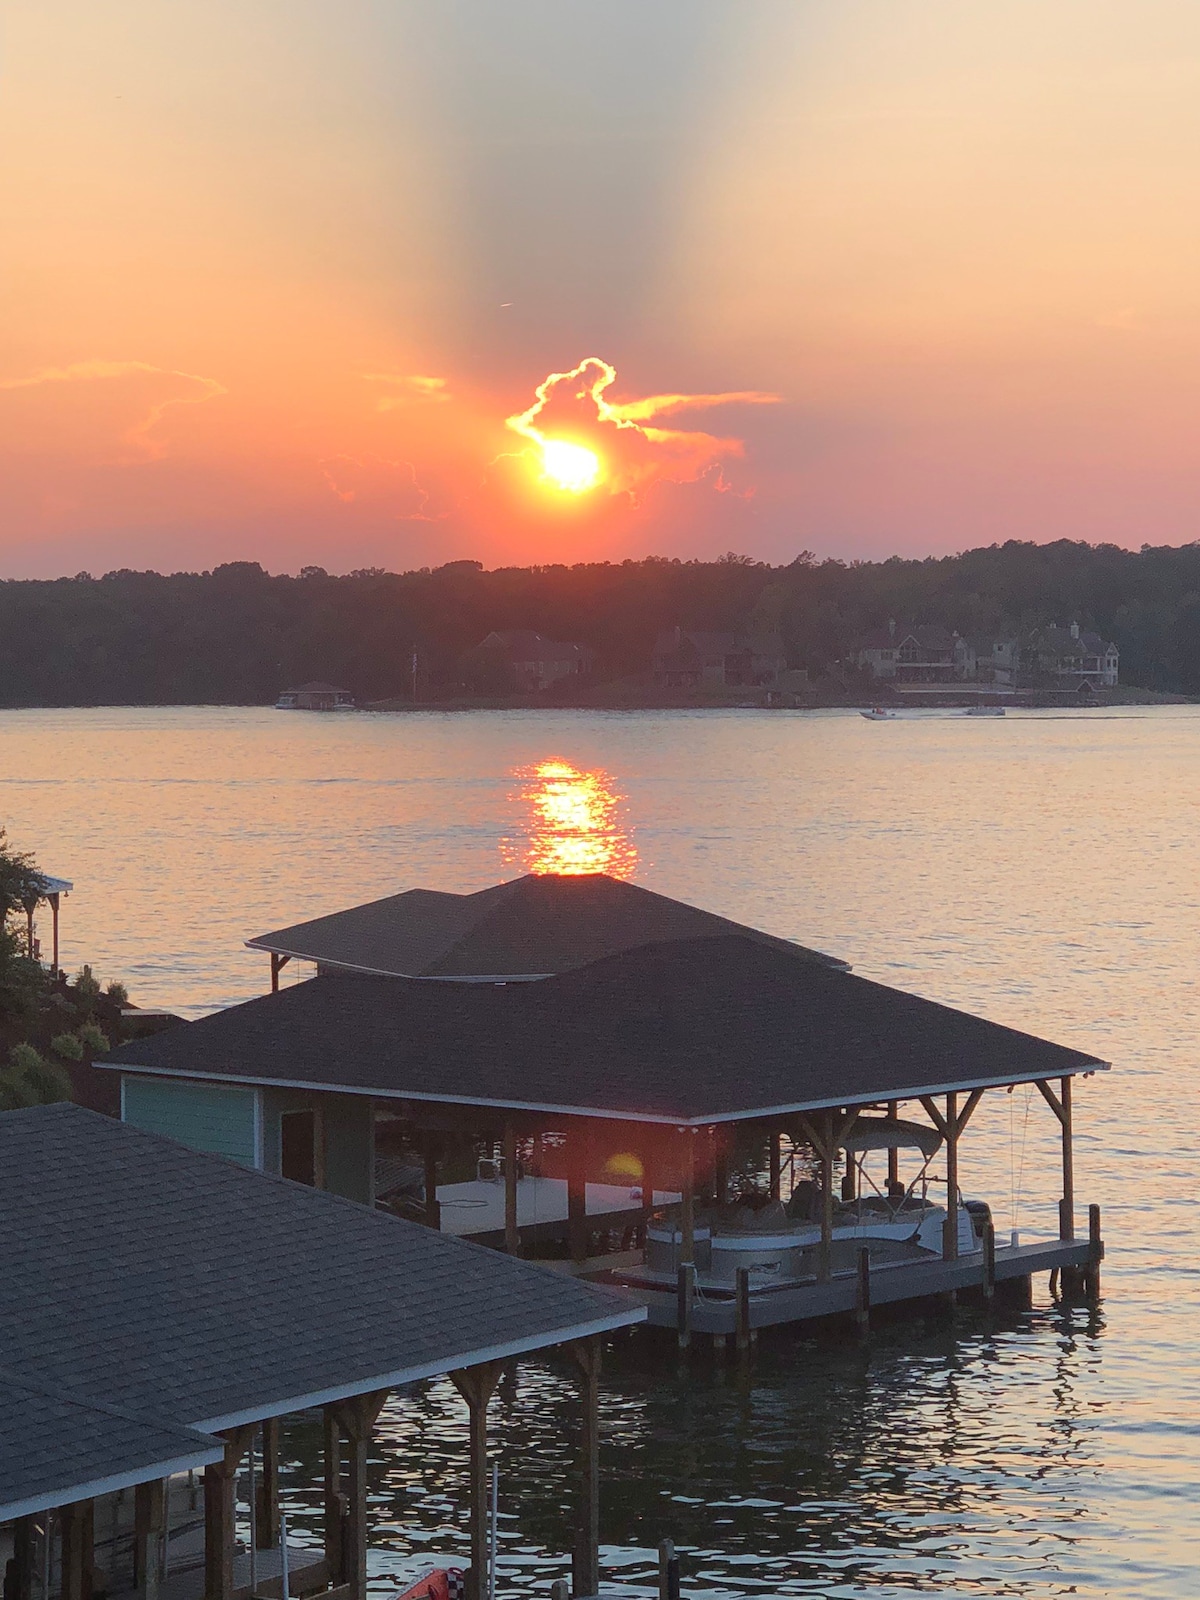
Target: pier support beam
column 894, row 1187
column 278, row 963
column 1060, row 1104
column 585, row 1567
column 577, row 1165
column 22, row 1559
column 220, row 1478
column 348, row 1425
column 775, row 1159
column 429, row 1159
column 512, row 1233
column 78, row 1529
column 266, row 1511
column 149, row 1536
column 825, row 1136
column 477, row 1385
column 951, row 1127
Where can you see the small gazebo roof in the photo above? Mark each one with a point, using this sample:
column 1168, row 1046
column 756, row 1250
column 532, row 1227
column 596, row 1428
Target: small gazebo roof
column 529, row 927
column 693, row 1032
column 193, row 1292
column 54, row 885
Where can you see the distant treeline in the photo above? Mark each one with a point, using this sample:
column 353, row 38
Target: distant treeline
column 237, row 635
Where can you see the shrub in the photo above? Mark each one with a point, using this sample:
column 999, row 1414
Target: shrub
column 93, row 1038
column 68, row 1046
column 31, row 1080
column 118, row 994
column 87, row 985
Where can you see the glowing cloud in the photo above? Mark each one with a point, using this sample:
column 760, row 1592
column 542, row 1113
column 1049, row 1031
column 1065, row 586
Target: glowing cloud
column 582, row 440
column 412, row 388
column 139, row 435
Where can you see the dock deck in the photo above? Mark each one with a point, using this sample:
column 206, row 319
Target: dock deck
column 889, row 1285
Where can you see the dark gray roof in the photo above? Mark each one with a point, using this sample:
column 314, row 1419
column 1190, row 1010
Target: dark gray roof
column 529, row 927
column 56, row 1449
column 699, row 1031
column 183, row 1287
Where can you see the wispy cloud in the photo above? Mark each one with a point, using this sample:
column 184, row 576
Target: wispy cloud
column 411, row 388
column 139, row 435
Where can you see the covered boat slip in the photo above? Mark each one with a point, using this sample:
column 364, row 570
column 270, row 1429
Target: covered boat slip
column 163, row 1310
column 656, row 1061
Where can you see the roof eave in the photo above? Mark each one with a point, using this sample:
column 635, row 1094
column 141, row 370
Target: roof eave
column 203, row 1456
column 607, row 1114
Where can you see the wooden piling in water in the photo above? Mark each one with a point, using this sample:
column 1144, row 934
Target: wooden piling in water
column 668, row 1571
column 744, row 1334
column 989, row 1265
column 862, row 1298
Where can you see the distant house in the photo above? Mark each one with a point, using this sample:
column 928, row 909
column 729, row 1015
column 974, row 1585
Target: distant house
column 922, row 653
column 537, row 663
column 1073, row 658
column 687, row 659
column 315, row 697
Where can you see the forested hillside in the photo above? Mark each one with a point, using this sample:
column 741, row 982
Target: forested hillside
column 238, row 635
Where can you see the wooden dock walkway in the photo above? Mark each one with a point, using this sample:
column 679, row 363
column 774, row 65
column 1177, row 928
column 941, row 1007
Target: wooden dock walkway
column 843, row 1295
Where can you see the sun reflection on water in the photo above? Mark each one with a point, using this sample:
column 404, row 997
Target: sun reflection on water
column 573, row 823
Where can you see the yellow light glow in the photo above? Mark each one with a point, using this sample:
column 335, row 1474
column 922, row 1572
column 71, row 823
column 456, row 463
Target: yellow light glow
column 570, row 467
column 574, row 823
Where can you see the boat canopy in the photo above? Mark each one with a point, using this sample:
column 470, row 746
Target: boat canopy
column 891, row 1133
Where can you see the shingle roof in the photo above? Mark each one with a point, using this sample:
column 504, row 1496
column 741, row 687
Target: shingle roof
column 531, row 926
column 56, row 1449
column 180, row 1286
column 697, row 1031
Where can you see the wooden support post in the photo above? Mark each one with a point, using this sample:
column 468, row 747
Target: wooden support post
column 512, row 1233
column 149, row 1534
column 826, row 1153
column 894, row 1186
column 862, row 1298
column 21, row 1587
column 577, row 1164
column 278, row 963
column 78, row 1529
column 668, row 1571
column 849, row 1181
column 1066, row 1209
column 685, row 1295
column 687, row 1206
column 477, row 1386
column 220, row 1479
column 354, row 1420
column 721, row 1176
column 335, row 1499
column 775, row 1161
column 648, row 1176
column 266, row 1510
column 950, row 1226
column 53, row 899
column 989, row 1265
column 429, row 1157
column 585, row 1568
column 1095, row 1253
column 560, row 1589
column 745, row 1333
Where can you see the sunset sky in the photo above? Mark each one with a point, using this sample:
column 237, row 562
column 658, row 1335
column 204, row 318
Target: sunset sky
column 281, row 279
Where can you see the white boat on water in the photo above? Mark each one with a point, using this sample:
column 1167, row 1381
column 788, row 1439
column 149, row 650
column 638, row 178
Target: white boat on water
column 780, row 1245
column 880, row 714
column 984, row 711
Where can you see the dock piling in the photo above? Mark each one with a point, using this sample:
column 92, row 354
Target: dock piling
column 989, row 1265
column 668, row 1571
column 862, row 1298
column 744, row 1334
column 1095, row 1254
column 685, row 1295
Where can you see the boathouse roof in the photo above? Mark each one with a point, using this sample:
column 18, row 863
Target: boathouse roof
column 56, row 1449
column 694, row 1031
column 530, row 927
column 189, row 1291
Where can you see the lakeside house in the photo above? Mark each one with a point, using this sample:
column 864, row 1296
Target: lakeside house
column 535, row 662
column 1052, row 657
column 164, row 1309
column 315, row 697
column 687, row 658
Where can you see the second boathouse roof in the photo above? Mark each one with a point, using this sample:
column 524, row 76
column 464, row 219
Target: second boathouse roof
column 694, row 1031
column 529, row 927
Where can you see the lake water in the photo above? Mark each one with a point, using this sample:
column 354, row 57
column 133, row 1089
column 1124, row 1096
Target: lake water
column 1041, row 870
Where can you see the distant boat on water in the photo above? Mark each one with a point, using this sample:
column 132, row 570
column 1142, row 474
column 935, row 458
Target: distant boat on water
column 880, row 714
column 984, row 711
column 315, row 697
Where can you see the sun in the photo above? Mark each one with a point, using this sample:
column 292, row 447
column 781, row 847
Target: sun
column 570, row 467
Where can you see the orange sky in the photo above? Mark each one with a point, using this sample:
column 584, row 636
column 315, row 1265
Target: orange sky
column 275, row 274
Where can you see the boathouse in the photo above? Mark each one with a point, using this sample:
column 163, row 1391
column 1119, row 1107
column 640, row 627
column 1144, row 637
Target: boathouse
column 162, row 1310
column 667, row 1060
